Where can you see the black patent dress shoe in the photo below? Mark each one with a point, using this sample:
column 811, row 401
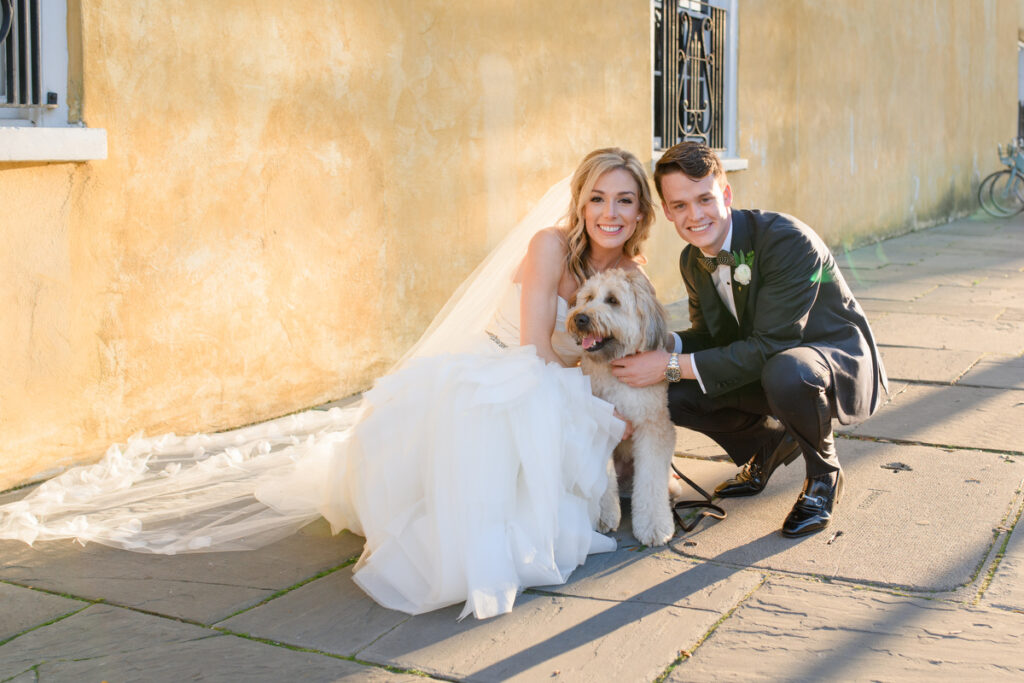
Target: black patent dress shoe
column 755, row 474
column 813, row 509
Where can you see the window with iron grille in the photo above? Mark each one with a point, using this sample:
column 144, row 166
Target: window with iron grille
column 38, row 119
column 20, row 58
column 34, row 62
column 694, row 72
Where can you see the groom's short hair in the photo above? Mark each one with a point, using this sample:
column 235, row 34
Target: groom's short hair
column 695, row 160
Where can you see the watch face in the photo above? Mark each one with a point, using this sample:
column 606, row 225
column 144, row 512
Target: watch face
column 672, row 374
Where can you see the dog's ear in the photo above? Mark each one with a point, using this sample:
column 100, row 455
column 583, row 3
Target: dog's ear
column 649, row 310
column 572, row 300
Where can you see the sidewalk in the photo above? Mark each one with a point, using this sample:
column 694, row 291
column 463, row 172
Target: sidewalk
column 920, row 576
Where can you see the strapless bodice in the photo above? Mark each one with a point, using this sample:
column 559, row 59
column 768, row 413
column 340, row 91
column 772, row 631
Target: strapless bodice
column 505, row 326
column 562, row 342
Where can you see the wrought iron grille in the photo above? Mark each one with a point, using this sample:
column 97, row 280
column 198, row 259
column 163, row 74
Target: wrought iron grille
column 689, row 70
column 21, row 83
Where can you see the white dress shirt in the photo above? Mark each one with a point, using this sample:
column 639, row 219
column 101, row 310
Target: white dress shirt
column 722, row 278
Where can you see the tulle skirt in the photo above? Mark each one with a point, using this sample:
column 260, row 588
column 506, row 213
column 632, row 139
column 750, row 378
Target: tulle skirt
column 473, row 476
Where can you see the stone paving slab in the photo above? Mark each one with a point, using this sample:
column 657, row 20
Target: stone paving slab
column 964, row 416
column 658, row 576
column 689, row 442
column 945, row 332
column 980, row 225
column 309, row 616
column 937, row 258
column 965, row 233
column 976, row 235
column 1007, row 587
column 996, row 242
column 1006, row 372
column 917, row 274
column 976, row 295
column 1013, row 282
column 330, row 614
column 926, row 529
column 792, row 630
column 16, row 494
column 978, row 262
column 108, row 643
column 546, row 637
column 927, row 365
column 204, row 587
column 22, row 608
column 925, row 241
column 984, row 312
column 882, row 254
column 885, row 290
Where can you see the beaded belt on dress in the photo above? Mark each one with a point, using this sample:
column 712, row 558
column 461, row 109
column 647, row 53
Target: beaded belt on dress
column 496, row 340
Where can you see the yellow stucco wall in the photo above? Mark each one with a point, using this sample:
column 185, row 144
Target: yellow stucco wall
column 865, row 116
column 291, row 193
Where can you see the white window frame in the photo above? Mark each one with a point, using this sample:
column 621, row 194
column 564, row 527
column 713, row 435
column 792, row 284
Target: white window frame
column 45, row 133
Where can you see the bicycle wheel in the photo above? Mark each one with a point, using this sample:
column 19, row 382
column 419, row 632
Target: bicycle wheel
column 1007, row 193
column 985, row 194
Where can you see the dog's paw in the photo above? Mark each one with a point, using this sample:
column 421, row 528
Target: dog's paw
column 675, row 489
column 611, row 516
column 656, row 531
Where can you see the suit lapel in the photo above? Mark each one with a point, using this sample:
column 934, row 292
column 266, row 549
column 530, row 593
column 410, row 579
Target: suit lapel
column 741, row 241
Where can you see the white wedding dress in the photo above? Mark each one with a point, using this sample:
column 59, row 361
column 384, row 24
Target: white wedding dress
column 473, row 470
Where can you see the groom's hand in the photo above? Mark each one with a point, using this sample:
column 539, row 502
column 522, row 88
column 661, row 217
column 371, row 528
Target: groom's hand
column 643, row 369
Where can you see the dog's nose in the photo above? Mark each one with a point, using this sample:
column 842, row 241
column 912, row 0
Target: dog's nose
column 582, row 320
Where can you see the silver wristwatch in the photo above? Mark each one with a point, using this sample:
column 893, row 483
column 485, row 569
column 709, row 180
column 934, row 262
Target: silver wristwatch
column 672, row 373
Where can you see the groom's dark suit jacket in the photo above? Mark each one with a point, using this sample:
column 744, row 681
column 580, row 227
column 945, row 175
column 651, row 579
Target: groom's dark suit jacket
column 796, row 297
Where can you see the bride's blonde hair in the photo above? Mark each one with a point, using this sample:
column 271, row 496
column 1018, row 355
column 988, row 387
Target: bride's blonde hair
column 593, row 166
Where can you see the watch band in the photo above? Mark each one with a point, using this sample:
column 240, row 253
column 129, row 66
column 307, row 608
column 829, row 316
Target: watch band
column 672, row 373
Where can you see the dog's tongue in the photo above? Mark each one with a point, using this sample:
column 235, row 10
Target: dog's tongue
column 590, row 340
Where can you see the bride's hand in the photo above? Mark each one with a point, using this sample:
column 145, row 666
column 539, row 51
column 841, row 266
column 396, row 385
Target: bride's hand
column 629, row 425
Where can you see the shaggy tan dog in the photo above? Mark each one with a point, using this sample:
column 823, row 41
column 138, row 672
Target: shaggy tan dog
column 616, row 314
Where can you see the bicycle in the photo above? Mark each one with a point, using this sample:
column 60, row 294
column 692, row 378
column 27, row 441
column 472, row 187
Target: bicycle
column 1001, row 194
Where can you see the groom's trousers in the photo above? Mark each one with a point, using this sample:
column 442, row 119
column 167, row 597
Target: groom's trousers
column 795, row 394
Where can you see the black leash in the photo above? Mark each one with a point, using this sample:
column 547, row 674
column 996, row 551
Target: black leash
column 709, row 508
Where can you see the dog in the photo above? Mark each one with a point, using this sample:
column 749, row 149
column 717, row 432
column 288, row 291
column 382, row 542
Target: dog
column 616, row 314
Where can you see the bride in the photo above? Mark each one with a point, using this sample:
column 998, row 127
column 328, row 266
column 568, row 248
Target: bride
column 473, row 469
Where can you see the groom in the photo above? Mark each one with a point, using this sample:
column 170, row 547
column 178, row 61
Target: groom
column 778, row 347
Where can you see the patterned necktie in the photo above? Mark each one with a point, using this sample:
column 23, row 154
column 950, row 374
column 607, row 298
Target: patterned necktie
column 711, row 263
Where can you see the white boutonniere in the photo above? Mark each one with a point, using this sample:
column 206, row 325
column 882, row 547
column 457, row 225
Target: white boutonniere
column 741, row 270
